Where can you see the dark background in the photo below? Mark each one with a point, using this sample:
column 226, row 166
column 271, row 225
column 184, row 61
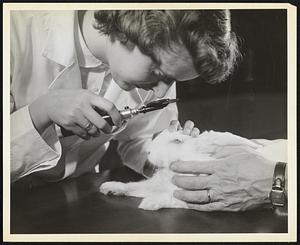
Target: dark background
column 252, row 102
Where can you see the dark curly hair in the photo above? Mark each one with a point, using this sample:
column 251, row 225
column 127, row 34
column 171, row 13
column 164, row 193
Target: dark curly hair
column 206, row 34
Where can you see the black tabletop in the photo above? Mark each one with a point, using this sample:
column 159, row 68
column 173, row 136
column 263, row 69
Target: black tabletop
column 77, row 206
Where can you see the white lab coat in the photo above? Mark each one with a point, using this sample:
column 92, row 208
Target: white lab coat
column 43, row 57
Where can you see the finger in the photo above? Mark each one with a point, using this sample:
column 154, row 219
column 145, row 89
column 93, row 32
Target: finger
column 195, row 167
column 80, row 127
column 88, row 127
column 80, row 132
column 191, row 182
column 94, row 131
column 174, row 126
column 80, row 120
column 84, row 123
column 195, row 132
column 108, row 107
column 192, row 196
column 213, row 206
column 188, row 126
column 97, row 120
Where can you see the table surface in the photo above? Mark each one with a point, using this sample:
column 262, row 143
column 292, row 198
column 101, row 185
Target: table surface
column 76, row 206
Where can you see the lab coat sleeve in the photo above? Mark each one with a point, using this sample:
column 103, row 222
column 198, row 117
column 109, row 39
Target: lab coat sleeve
column 30, row 151
column 273, row 150
column 134, row 140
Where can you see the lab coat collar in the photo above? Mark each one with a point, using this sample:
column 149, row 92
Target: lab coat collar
column 84, row 55
column 60, row 44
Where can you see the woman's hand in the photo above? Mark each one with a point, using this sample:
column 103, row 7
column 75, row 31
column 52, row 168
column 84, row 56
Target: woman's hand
column 73, row 110
column 187, row 129
column 235, row 183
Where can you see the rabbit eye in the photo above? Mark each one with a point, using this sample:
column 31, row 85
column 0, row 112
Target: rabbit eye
column 178, row 141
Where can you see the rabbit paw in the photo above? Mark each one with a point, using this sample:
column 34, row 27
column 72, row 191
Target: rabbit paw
column 150, row 203
column 113, row 188
column 158, row 202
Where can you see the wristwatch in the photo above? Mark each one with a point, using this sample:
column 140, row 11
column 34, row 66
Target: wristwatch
column 277, row 194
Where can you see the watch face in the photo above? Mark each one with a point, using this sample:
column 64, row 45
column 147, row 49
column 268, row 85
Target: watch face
column 277, row 197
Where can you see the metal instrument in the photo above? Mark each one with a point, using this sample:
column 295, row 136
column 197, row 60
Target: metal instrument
column 128, row 112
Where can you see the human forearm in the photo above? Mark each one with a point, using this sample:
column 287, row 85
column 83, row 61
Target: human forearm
column 134, row 140
column 133, row 154
column 39, row 115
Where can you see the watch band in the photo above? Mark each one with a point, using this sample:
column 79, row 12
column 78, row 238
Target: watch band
column 277, row 194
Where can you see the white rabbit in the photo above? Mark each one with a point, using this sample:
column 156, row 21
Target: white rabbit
column 167, row 147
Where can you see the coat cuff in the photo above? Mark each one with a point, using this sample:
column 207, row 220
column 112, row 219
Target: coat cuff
column 274, row 150
column 30, row 151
